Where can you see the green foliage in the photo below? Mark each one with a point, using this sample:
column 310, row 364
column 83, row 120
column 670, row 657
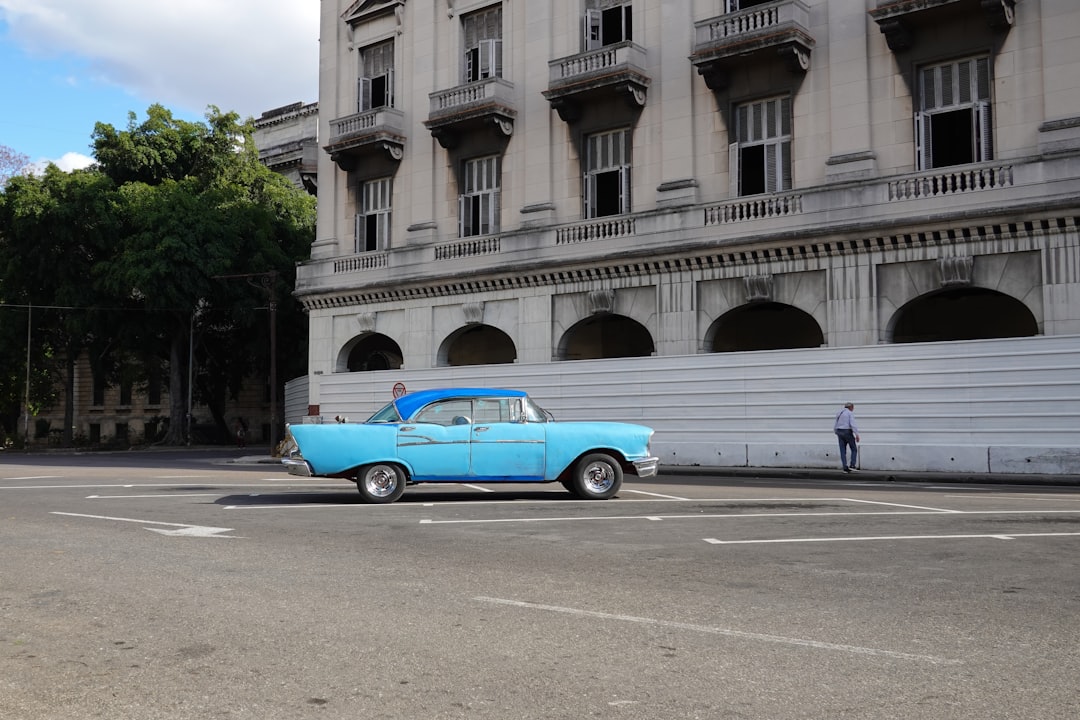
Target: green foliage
column 128, row 251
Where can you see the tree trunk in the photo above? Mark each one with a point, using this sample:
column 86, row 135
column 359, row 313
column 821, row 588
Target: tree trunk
column 69, row 397
column 177, row 400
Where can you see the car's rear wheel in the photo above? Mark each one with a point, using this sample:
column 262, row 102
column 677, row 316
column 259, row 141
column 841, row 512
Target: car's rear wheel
column 380, row 483
column 597, row 477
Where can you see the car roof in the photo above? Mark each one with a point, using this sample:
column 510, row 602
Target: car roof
column 408, row 404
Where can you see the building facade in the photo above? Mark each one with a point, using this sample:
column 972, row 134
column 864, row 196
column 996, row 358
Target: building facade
column 544, row 182
column 288, row 142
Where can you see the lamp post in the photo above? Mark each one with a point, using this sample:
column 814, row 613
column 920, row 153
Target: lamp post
column 268, row 280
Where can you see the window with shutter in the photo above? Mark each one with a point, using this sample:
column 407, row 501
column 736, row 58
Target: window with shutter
column 373, row 220
column 607, row 173
column 483, row 44
column 953, row 122
column 376, row 83
column 478, row 205
column 607, row 23
column 762, row 152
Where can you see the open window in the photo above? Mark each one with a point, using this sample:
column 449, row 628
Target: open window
column 373, row 220
column 376, row 84
column 953, row 124
column 607, row 173
column 478, row 204
column 607, row 23
column 483, row 44
column 761, row 155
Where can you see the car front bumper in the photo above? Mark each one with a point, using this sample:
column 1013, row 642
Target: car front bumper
column 297, row 465
column 646, row 467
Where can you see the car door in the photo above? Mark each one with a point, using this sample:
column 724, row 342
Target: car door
column 435, row 444
column 503, row 446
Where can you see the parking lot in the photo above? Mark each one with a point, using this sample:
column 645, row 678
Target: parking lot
column 181, row 585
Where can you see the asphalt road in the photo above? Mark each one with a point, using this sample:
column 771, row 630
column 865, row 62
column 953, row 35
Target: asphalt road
column 180, row 585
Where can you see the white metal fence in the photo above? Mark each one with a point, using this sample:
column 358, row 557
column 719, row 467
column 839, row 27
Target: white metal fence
column 991, row 406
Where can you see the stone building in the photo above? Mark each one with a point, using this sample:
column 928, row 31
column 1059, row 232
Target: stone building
column 288, row 142
column 541, row 182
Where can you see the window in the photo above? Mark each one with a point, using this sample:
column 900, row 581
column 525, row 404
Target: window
column 373, row 220
column 446, row 412
column 483, row 44
column 478, row 211
column 606, row 24
column 761, row 155
column 98, row 389
column 736, row 5
column 953, row 123
column 607, row 173
column 376, row 85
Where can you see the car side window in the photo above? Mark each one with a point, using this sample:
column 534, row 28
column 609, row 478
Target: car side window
column 491, row 410
column 444, row 412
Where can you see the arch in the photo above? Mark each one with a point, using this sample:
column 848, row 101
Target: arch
column 763, row 326
column 968, row 313
column 605, row 336
column 477, row 345
column 368, row 352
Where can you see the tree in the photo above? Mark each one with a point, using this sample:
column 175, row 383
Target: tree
column 195, row 205
column 11, row 163
column 55, row 229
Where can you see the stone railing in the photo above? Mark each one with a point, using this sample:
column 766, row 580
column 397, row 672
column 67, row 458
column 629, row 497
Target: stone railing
column 366, row 121
column 448, row 101
column 752, row 20
column 469, row 247
column 758, row 207
column 625, row 54
column 363, row 261
column 951, row 181
column 584, row 232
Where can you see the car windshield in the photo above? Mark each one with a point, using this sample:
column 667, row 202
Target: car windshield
column 388, row 414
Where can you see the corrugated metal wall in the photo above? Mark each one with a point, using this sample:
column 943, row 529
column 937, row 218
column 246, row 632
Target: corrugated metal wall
column 994, row 406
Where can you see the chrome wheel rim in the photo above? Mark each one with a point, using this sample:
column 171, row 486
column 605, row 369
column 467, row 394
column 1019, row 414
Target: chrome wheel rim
column 380, row 481
column 598, row 477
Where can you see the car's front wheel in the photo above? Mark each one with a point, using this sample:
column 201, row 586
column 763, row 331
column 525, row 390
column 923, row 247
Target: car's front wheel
column 380, row 483
column 597, row 477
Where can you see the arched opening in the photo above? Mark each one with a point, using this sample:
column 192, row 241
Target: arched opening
column 962, row 314
column 373, row 352
column 606, row 336
column 764, row 326
column 477, row 345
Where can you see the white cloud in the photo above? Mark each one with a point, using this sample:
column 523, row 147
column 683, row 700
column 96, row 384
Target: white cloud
column 70, row 161
column 244, row 55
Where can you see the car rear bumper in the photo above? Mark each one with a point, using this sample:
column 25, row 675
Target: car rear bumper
column 647, row 467
column 297, row 466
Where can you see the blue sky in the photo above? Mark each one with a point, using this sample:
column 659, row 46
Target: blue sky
column 66, row 64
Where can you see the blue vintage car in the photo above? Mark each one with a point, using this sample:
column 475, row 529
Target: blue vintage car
column 470, row 435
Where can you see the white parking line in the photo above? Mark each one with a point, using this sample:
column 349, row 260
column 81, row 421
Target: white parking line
column 157, row 497
column 1010, row 536
column 913, row 507
column 655, row 495
column 33, row 477
column 743, row 635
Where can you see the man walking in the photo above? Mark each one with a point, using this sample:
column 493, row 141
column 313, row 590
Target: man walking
column 847, row 432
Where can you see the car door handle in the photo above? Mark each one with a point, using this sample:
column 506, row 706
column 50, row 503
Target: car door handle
column 407, row 428
column 481, row 429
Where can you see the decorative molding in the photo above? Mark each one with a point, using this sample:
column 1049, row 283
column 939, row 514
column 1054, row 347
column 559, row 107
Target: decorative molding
column 365, row 322
column 601, row 302
column 955, row 271
column 759, row 288
column 474, row 313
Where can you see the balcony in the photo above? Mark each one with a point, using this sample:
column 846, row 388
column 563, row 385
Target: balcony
column 901, row 20
column 613, row 70
column 756, row 35
column 484, row 105
column 356, row 138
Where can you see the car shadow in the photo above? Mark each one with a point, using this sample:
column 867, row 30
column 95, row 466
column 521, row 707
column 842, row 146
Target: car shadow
column 412, row 496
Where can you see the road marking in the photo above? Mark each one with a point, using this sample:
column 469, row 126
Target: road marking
column 1020, row 496
column 1010, row 536
column 34, row 477
column 159, row 485
column 913, row 507
column 655, row 495
column 158, row 496
column 185, row 529
column 481, row 488
column 761, row 637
